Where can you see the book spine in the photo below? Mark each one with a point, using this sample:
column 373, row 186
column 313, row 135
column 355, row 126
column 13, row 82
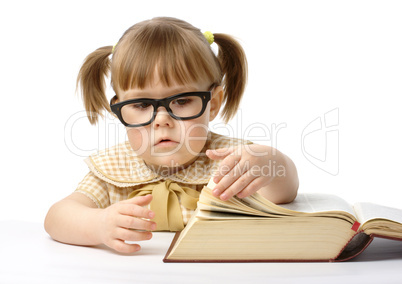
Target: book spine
column 355, row 246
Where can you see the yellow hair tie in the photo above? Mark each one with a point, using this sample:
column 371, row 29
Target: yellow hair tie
column 209, row 36
column 114, row 47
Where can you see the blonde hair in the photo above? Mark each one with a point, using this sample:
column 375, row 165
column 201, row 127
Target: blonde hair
column 173, row 48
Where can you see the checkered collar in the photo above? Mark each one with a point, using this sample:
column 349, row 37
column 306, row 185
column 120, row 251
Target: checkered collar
column 119, row 165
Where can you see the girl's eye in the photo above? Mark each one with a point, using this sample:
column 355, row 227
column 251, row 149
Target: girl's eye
column 140, row 106
column 182, row 101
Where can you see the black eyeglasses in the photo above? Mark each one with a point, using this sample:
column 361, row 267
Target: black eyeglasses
column 141, row 112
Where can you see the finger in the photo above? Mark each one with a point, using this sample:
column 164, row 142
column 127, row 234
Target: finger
column 136, row 211
column 251, row 188
column 131, row 235
column 122, row 247
column 225, row 167
column 219, row 154
column 140, row 200
column 225, row 181
column 130, row 222
column 233, row 184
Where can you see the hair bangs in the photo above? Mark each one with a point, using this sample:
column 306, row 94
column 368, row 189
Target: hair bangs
column 168, row 52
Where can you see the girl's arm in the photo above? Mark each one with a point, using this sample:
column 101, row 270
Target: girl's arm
column 77, row 220
column 247, row 169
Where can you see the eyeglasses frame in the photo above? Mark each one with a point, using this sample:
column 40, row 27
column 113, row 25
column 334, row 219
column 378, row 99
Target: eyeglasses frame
column 156, row 103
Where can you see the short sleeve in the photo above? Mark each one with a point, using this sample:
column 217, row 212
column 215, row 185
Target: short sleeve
column 95, row 189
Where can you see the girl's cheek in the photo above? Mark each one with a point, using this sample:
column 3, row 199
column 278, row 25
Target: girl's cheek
column 196, row 136
column 197, row 130
column 138, row 138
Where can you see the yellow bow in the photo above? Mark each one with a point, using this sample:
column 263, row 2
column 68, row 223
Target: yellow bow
column 165, row 203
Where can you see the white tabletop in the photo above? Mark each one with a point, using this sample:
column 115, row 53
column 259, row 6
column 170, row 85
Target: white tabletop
column 28, row 255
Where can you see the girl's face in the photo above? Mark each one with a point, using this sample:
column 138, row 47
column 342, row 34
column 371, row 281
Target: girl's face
column 167, row 142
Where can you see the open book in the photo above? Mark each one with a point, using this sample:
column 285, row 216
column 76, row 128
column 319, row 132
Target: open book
column 314, row 227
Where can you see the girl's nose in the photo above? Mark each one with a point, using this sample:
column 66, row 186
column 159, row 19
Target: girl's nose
column 163, row 118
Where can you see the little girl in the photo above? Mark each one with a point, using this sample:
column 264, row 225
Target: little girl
column 169, row 84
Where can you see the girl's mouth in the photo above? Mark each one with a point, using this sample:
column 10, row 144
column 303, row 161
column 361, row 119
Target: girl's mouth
column 165, row 142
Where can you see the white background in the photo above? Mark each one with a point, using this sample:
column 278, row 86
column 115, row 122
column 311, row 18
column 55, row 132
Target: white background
column 306, row 59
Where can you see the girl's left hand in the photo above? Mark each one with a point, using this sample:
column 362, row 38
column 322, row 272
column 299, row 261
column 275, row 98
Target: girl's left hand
column 243, row 170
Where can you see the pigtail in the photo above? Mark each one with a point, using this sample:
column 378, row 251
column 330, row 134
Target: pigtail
column 91, row 80
column 232, row 59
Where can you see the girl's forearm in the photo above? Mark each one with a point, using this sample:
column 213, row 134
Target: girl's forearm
column 74, row 220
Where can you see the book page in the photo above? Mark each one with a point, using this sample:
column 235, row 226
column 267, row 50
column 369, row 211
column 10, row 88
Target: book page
column 220, row 208
column 234, row 205
column 316, row 202
column 304, row 204
column 366, row 211
column 219, row 215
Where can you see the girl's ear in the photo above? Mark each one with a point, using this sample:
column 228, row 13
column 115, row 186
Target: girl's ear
column 216, row 102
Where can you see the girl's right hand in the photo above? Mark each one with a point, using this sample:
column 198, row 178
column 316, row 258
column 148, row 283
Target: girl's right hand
column 125, row 221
